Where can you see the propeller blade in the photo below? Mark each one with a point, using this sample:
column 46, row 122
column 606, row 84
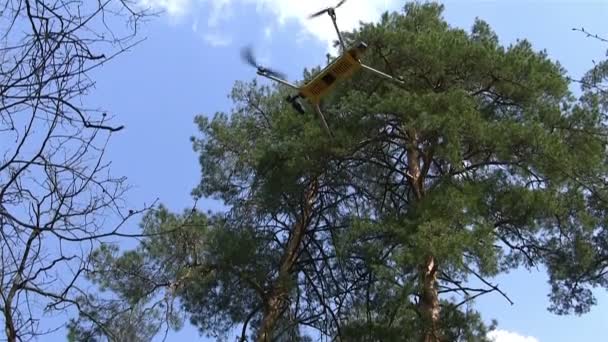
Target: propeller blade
column 340, row 3
column 316, row 14
column 247, row 55
column 323, row 11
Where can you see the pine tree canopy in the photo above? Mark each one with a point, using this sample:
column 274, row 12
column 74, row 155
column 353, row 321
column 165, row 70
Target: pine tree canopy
column 482, row 162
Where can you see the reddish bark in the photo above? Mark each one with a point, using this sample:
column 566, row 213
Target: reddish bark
column 277, row 299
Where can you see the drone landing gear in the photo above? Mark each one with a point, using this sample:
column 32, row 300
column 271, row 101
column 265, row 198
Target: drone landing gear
column 294, row 100
column 322, row 119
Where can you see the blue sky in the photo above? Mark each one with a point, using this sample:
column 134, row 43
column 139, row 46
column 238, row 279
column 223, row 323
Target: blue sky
column 191, row 59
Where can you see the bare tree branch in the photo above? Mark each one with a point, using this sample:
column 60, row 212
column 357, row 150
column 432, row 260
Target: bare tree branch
column 58, row 200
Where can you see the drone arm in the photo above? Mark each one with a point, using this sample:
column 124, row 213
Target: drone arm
column 333, row 19
column 276, row 79
column 378, row 72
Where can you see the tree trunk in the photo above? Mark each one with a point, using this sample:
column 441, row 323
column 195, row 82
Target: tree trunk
column 429, row 298
column 272, row 312
column 9, row 326
column 274, row 303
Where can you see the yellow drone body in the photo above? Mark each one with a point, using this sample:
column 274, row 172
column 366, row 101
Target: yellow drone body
column 341, row 68
column 323, row 83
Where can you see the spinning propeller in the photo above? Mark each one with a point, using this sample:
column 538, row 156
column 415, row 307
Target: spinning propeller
column 329, row 10
column 247, row 55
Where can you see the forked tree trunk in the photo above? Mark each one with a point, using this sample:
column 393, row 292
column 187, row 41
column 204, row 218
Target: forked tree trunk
column 429, row 298
column 277, row 299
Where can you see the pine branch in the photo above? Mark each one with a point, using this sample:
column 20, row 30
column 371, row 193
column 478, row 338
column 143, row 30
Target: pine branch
column 590, row 35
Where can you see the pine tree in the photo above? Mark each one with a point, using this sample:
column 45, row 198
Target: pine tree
column 483, row 161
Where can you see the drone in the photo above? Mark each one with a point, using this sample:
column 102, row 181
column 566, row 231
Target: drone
column 342, row 67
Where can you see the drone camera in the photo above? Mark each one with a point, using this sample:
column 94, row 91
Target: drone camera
column 296, row 104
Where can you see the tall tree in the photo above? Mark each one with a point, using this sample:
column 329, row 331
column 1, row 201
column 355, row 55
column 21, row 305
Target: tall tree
column 483, row 161
column 57, row 196
column 254, row 266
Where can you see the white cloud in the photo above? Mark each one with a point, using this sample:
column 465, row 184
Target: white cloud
column 216, row 39
column 508, row 336
column 268, row 32
column 176, row 8
column 220, row 10
column 348, row 15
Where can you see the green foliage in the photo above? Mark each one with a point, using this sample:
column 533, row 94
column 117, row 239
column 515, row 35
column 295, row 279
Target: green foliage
column 512, row 172
column 114, row 322
column 511, row 155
